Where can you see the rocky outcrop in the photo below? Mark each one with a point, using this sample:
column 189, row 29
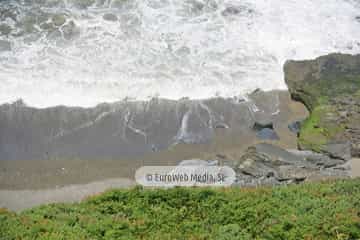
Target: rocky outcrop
column 329, row 86
column 266, row 164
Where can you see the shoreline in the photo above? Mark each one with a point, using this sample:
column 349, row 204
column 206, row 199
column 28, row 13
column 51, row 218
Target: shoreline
column 228, row 143
column 29, row 183
column 18, row 200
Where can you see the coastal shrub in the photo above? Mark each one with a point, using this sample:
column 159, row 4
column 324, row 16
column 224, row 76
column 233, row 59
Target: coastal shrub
column 329, row 210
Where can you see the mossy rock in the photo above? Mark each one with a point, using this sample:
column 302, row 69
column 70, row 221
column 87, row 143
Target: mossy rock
column 320, row 128
column 329, row 87
column 314, row 81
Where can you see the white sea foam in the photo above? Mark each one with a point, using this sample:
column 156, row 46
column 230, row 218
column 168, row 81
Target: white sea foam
column 173, row 49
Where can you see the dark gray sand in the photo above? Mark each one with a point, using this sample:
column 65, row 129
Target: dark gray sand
column 134, row 129
column 18, row 200
column 47, row 173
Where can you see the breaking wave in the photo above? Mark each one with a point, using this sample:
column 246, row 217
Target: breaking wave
column 84, row 52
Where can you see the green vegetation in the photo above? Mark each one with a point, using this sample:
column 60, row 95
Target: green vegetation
column 310, row 211
column 317, row 130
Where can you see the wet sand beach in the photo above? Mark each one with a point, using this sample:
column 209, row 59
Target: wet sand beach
column 28, row 183
column 103, row 145
column 18, row 200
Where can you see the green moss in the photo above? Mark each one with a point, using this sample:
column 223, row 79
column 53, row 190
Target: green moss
column 318, row 93
column 318, row 130
column 307, row 211
column 357, row 94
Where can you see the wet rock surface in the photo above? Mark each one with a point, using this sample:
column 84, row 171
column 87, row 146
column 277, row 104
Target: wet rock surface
column 267, row 134
column 262, row 124
column 295, row 126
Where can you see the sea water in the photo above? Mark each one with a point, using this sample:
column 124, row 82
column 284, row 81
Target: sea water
column 85, row 52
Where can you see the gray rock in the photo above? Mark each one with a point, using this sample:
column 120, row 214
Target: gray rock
column 279, row 155
column 262, row 119
column 267, row 162
column 221, row 126
column 294, row 173
column 261, row 124
column 267, row 134
column 262, row 160
column 256, row 168
column 334, row 109
column 5, row 46
column 295, row 126
column 317, row 158
column 338, row 150
column 221, row 156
